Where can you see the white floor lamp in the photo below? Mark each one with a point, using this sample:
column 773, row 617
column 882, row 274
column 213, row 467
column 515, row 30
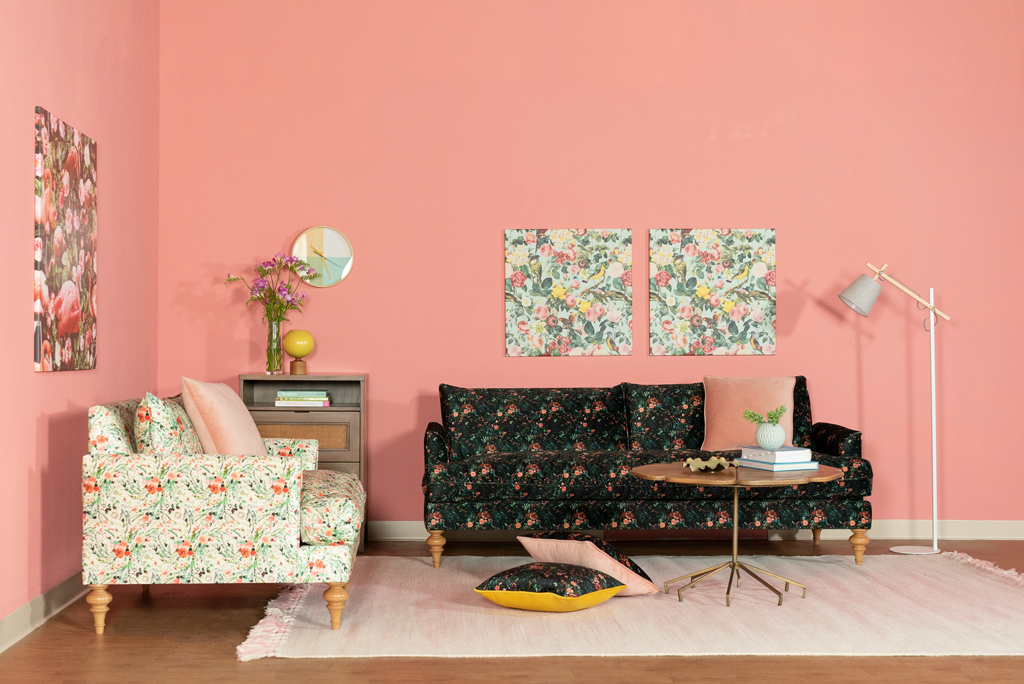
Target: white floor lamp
column 860, row 296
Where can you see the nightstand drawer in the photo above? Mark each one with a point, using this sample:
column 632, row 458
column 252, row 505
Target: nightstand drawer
column 335, row 431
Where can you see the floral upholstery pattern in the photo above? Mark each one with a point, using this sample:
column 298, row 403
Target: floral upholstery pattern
column 110, row 427
column 556, row 459
column 665, row 416
column 307, row 451
column 482, row 421
column 331, row 508
column 601, row 544
column 163, row 427
column 555, row 578
column 194, row 518
column 603, row 475
column 707, row 514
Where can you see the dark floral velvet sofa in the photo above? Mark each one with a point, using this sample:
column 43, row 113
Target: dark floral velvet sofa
column 560, row 459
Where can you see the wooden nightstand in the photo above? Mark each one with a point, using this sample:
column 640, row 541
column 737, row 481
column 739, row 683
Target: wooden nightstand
column 338, row 428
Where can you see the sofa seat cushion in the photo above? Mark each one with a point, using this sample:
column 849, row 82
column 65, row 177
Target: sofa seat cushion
column 793, row 514
column 504, row 420
column 604, row 475
column 331, row 508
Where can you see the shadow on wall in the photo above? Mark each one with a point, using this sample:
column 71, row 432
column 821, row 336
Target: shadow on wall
column 56, row 507
column 388, row 466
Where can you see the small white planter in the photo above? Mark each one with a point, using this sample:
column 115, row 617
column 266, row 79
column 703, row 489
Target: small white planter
column 769, row 436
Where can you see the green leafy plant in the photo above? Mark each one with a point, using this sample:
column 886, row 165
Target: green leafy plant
column 773, row 416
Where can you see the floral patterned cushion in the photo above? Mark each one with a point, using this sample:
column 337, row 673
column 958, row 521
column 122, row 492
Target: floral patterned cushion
column 163, row 427
column 306, row 450
column 577, row 548
column 569, row 475
column 495, row 420
column 672, row 416
column 111, row 427
column 555, row 587
column 331, row 508
column 704, row 514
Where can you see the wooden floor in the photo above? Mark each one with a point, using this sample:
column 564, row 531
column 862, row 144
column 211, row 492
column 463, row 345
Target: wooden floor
column 189, row 633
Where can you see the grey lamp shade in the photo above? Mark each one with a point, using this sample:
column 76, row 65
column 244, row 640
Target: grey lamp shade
column 861, row 294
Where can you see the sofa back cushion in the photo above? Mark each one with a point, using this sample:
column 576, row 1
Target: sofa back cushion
column 482, row 421
column 672, row 416
column 663, row 417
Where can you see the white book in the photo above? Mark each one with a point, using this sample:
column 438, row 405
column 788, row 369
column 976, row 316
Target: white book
column 776, row 467
column 303, row 404
column 780, row 455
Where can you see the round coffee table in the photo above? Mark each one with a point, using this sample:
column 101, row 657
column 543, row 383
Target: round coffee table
column 735, row 478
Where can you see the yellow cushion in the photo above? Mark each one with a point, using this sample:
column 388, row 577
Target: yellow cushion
column 548, row 602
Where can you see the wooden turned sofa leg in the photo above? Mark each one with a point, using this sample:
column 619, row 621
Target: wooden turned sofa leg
column 436, row 543
column 98, row 599
column 860, row 540
column 336, row 595
column 817, row 537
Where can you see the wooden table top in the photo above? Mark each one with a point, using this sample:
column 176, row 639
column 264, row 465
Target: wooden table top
column 732, row 476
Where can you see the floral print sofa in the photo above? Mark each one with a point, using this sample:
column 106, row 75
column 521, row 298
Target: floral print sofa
column 548, row 459
column 203, row 518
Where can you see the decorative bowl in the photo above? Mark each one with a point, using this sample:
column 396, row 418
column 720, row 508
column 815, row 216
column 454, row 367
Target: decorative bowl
column 711, row 465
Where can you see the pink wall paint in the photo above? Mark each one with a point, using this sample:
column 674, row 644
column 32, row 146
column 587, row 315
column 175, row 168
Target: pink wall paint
column 861, row 131
column 94, row 64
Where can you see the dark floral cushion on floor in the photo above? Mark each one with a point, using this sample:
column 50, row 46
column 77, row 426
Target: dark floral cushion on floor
column 550, row 587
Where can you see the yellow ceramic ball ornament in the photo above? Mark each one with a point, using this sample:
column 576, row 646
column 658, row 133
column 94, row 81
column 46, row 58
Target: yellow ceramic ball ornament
column 297, row 344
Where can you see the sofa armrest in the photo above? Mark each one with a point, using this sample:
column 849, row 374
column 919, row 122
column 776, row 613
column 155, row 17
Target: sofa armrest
column 437, row 448
column 197, row 517
column 306, row 450
column 839, row 447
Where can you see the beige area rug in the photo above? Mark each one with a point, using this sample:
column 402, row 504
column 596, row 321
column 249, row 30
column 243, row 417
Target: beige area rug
column 892, row 605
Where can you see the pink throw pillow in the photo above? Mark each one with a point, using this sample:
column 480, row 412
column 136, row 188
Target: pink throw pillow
column 589, row 552
column 220, row 419
column 725, row 400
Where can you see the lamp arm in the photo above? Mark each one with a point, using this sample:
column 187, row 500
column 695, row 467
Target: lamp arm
column 879, row 273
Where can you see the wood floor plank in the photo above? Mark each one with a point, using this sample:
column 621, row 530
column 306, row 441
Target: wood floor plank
column 189, row 633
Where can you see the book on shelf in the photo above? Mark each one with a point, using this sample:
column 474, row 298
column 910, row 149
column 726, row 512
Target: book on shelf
column 298, row 403
column 302, row 394
column 780, row 455
column 775, row 467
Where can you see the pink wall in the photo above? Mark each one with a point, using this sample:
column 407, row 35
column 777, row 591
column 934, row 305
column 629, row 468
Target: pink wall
column 861, row 131
column 94, row 64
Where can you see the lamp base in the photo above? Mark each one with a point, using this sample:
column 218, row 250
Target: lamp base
column 914, row 550
column 297, row 367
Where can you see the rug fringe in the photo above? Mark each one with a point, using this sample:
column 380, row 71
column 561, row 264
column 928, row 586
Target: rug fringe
column 266, row 636
column 1012, row 575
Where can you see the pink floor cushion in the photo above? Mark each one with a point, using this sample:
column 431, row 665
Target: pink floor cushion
column 575, row 548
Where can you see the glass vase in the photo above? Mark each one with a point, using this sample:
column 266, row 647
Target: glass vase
column 274, row 354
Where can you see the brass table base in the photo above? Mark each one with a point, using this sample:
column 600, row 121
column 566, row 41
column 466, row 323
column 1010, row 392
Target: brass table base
column 735, row 565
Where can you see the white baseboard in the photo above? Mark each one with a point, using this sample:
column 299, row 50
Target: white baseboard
column 18, row 624
column 415, row 530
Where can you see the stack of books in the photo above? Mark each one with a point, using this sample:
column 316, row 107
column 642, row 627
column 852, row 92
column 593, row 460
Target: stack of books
column 784, row 458
column 303, row 398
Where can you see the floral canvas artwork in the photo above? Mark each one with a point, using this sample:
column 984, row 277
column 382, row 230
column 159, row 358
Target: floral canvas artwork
column 65, row 246
column 712, row 292
column 568, row 293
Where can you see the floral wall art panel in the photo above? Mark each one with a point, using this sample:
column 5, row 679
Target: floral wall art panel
column 568, row 293
column 65, row 246
column 712, row 292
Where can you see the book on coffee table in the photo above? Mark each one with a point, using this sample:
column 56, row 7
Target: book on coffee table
column 776, row 467
column 780, row 455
